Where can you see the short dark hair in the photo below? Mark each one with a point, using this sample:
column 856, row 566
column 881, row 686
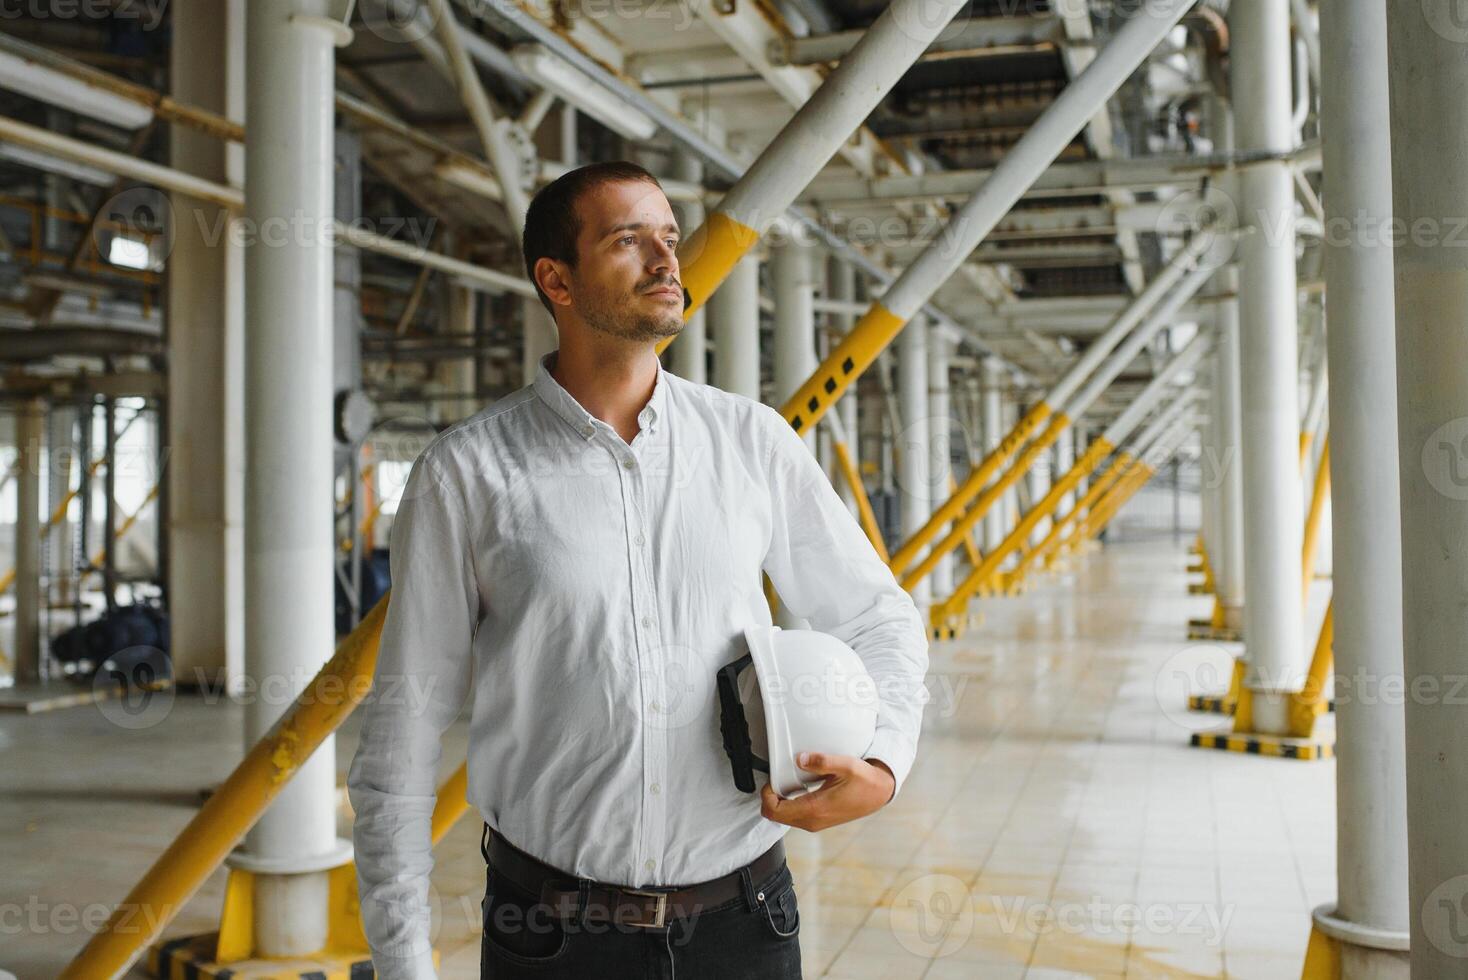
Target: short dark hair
column 551, row 222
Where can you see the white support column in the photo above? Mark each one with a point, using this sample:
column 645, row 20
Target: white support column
column 940, row 439
column 289, row 450
column 460, row 374
column 793, row 279
column 1427, row 75
column 995, row 522
column 1011, row 505
column 1273, row 621
column 205, row 334
column 842, row 278
column 913, row 444
column 30, row 442
column 1065, row 458
column 1227, row 469
column 690, row 353
column 1039, row 486
column 734, row 322
column 1372, row 900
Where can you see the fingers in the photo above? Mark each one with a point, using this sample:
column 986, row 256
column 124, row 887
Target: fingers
column 808, row 812
column 827, row 763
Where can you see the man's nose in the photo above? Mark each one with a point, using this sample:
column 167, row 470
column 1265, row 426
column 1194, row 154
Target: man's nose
column 662, row 259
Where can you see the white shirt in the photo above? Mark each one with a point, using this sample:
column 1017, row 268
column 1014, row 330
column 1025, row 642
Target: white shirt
column 595, row 587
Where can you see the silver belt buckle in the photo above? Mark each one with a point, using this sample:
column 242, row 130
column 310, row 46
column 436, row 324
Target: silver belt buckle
column 659, row 916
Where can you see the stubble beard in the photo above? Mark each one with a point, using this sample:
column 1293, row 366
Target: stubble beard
column 615, row 320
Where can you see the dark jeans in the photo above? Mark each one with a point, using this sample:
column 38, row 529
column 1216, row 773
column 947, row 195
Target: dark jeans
column 754, row 937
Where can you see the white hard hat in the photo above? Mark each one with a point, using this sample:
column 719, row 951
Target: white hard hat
column 796, row 691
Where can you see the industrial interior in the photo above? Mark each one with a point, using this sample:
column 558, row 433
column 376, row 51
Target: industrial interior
column 1050, row 290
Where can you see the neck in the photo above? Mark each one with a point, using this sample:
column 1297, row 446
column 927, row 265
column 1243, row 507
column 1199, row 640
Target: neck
column 613, row 382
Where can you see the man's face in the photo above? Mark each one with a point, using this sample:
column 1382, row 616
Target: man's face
column 626, row 283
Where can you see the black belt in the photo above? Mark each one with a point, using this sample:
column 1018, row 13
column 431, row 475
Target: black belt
column 568, row 895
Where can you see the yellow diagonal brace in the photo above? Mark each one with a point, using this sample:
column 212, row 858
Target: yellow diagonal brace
column 1028, row 556
column 1113, row 502
column 705, row 258
column 969, row 547
column 972, row 484
column 1310, row 702
column 858, row 349
column 235, row 806
column 987, row 499
column 984, row 573
column 859, row 492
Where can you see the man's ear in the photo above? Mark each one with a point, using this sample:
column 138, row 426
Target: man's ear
column 551, row 277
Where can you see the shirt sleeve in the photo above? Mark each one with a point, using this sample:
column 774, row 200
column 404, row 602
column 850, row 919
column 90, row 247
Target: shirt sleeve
column 826, row 571
column 419, row 686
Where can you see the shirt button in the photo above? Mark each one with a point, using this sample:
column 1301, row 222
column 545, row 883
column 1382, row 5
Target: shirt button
column 628, row 463
column 639, row 541
column 655, row 789
column 647, row 621
column 650, row 864
column 589, row 431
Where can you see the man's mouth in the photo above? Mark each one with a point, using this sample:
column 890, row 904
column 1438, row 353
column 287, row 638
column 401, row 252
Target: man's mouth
column 671, row 292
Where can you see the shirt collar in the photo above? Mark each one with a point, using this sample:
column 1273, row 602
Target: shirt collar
column 564, row 404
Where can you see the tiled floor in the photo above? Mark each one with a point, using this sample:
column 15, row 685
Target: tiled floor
column 1056, row 824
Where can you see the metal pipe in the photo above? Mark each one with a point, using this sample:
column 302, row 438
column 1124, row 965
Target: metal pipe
column 1059, row 394
column 955, row 605
column 992, row 410
column 1372, row 895
column 1139, row 447
column 792, row 278
column 1116, row 362
column 118, row 164
column 690, row 354
column 467, row 273
column 769, row 186
column 734, row 322
column 940, row 434
column 30, row 446
column 914, row 446
column 1273, row 619
column 842, row 279
column 493, row 133
column 1036, row 150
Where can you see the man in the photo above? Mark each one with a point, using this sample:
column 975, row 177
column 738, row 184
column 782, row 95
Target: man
column 593, row 546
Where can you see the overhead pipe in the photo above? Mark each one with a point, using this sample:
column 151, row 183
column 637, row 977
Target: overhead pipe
column 808, row 142
column 493, row 133
column 871, row 75
column 1054, row 399
column 1076, row 105
column 1094, row 388
column 1115, row 433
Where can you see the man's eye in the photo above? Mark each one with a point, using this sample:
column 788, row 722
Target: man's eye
column 672, row 242
column 627, row 240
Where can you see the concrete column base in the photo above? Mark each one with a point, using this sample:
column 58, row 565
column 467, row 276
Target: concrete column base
column 1341, row 950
